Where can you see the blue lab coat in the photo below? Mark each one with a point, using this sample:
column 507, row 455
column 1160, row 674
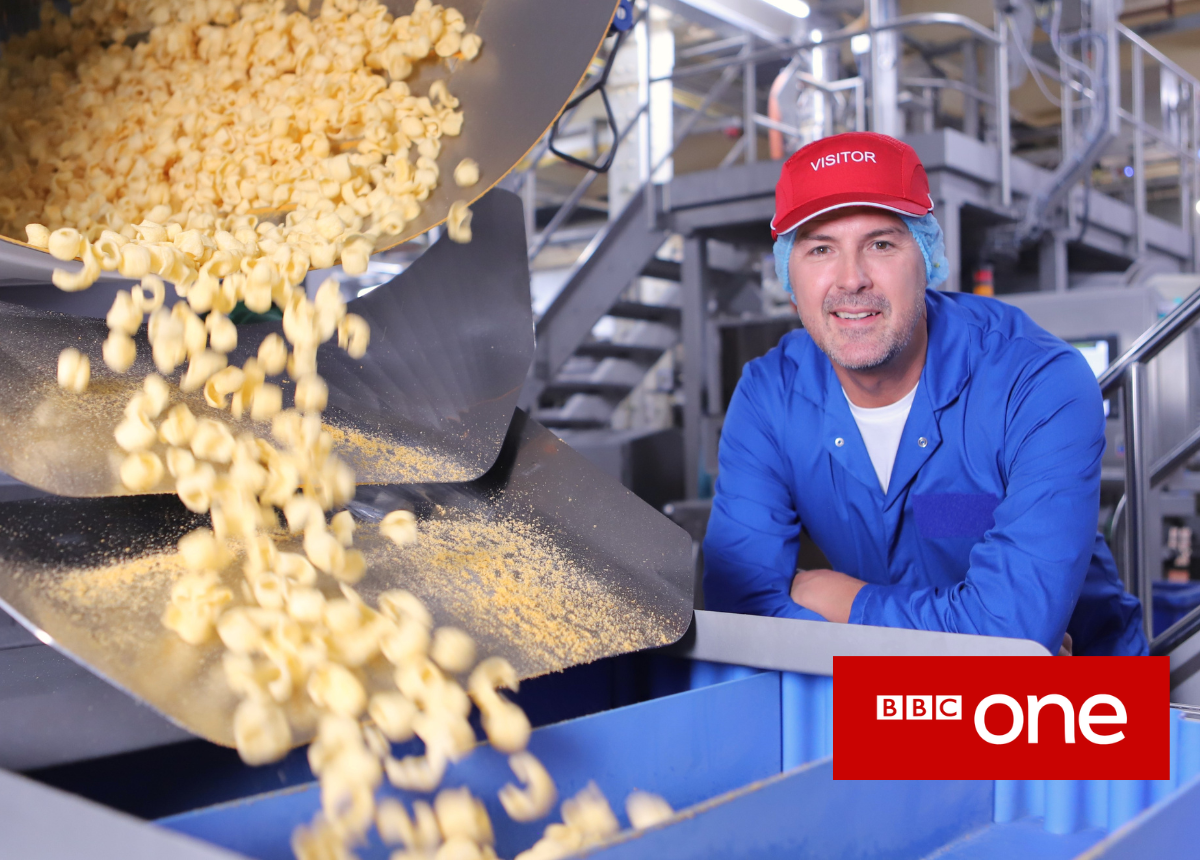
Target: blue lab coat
column 989, row 522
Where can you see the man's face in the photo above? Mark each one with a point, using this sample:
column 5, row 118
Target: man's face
column 859, row 281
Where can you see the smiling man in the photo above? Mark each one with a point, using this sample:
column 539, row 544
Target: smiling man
column 941, row 449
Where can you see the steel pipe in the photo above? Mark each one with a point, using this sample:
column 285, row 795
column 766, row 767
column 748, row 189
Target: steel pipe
column 1137, row 493
column 844, row 35
column 1152, row 342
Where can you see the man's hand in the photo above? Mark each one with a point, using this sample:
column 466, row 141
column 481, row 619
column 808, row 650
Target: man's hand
column 826, row 592
column 1065, row 650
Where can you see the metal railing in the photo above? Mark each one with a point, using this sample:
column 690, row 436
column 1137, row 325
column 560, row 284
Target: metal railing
column 742, row 64
column 995, row 96
column 857, row 85
column 1175, row 135
column 1175, row 131
column 1128, row 375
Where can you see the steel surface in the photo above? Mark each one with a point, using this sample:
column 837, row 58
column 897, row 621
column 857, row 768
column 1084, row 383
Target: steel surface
column 792, row 645
column 55, row 712
column 43, row 823
column 535, row 52
column 451, row 340
column 544, row 560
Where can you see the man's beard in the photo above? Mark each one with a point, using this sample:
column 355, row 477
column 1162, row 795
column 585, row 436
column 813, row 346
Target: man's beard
column 897, row 334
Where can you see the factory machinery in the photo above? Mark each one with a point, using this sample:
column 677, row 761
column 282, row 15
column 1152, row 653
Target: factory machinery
column 112, row 729
column 1062, row 149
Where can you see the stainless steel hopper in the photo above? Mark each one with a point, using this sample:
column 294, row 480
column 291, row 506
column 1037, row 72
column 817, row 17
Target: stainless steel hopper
column 544, row 560
column 535, row 52
column 451, row 340
column 537, row 554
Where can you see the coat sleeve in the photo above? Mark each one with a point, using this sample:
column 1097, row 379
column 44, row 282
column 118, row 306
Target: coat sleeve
column 1026, row 574
column 754, row 532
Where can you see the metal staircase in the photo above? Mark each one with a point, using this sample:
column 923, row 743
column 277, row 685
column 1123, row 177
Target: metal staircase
column 579, row 376
column 576, row 379
column 1149, row 106
column 602, row 371
column 1129, row 215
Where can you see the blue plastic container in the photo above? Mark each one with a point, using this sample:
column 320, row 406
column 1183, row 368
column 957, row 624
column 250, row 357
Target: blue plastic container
column 1172, row 601
column 745, row 759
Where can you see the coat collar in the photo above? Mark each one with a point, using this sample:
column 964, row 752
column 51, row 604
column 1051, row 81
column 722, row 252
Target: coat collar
column 943, row 378
column 947, row 360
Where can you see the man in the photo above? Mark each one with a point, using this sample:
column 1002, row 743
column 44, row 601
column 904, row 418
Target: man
column 941, row 449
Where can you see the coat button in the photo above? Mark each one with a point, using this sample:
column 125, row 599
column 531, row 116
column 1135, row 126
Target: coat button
column 839, row 441
column 922, row 442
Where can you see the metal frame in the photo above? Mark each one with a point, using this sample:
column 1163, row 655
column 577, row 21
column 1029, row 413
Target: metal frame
column 743, row 64
column 1178, row 136
column 1128, row 374
column 993, row 93
column 808, row 647
column 1183, row 149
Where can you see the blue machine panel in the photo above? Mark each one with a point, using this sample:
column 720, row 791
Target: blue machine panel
column 1170, row 829
column 717, row 752
column 1071, row 805
column 1026, row 839
column 806, row 813
column 688, row 748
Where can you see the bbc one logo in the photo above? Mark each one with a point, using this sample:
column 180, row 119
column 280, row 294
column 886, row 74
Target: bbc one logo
column 951, row 708
column 1008, row 718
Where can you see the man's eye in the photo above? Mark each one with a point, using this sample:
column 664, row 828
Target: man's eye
column 882, row 245
column 820, row 249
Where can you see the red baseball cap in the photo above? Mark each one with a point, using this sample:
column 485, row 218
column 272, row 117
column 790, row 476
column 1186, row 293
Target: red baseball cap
column 858, row 168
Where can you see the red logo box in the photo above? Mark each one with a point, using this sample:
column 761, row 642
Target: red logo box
column 1001, row 718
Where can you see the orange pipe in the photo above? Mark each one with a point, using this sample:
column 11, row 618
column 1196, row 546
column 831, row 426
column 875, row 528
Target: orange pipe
column 774, row 136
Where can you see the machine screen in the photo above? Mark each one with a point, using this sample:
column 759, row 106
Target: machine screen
column 1098, row 353
column 1095, row 352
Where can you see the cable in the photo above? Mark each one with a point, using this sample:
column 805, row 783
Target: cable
column 1075, row 162
column 1028, row 61
column 1056, row 42
column 1087, row 201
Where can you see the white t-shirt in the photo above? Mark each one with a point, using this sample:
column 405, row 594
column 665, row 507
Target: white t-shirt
column 881, row 429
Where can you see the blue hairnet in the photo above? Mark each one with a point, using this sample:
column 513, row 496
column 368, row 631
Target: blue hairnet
column 926, row 230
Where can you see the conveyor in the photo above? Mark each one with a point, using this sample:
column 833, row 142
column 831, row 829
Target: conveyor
column 745, row 762
column 741, row 752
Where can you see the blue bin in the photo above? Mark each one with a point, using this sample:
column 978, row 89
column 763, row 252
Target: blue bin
column 1172, row 601
column 745, row 759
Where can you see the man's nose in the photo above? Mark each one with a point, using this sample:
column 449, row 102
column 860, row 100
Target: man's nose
column 851, row 275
